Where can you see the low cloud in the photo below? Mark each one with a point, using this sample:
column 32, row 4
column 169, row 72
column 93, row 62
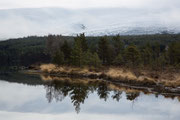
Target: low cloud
column 43, row 21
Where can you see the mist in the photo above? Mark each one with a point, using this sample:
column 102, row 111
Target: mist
column 92, row 21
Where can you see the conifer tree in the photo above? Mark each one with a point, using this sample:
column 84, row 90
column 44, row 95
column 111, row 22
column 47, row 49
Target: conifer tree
column 132, row 55
column 104, row 50
column 66, row 49
column 118, row 60
column 174, row 53
column 147, row 55
column 77, row 54
column 58, row 58
column 87, row 58
column 83, row 41
column 96, row 60
column 118, row 45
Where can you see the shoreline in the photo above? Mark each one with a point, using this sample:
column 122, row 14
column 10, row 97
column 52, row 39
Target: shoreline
column 113, row 75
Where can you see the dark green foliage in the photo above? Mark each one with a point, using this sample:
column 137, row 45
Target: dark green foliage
column 66, row 49
column 132, row 55
column 156, row 51
column 87, row 58
column 153, row 51
column 162, row 61
column 118, row 60
column 174, row 52
column 90, row 59
column 147, row 54
column 118, row 45
column 53, row 43
column 77, row 54
column 23, row 51
column 83, row 41
column 104, row 50
column 96, row 60
column 58, row 58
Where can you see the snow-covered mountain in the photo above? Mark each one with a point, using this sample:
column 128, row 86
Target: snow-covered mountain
column 100, row 21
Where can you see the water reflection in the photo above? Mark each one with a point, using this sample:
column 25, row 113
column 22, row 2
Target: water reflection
column 78, row 90
column 54, row 97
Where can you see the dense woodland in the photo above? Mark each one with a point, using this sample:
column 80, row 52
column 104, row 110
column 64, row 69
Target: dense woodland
column 152, row 51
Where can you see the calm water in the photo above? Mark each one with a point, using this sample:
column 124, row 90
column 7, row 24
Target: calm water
column 27, row 97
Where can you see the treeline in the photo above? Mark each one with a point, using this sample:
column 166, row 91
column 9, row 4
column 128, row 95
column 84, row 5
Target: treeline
column 112, row 52
column 23, row 51
column 91, row 51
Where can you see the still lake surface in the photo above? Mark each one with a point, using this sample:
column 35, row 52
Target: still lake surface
column 34, row 97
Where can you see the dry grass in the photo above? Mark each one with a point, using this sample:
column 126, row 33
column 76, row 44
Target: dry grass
column 47, row 78
column 51, row 68
column 166, row 78
column 47, row 67
column 120, row 73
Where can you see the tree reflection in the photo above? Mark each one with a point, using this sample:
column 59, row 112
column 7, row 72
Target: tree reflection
column 132, row 96
column 78, row 91
column 117, row 95
column 78, row 95
column 102, row 91
column 58, row 90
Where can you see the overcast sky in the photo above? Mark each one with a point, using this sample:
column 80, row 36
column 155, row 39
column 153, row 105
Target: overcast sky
column 148, row 4
column 66, row 16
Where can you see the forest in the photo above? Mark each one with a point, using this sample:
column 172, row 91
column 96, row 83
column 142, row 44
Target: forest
column 151, row 51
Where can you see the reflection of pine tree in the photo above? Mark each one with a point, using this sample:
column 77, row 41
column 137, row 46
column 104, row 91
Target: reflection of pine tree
column 103, row 91
column 132, row 96
column 78, row 95
column 117, row 95
column 49, row 93
column 78, row 91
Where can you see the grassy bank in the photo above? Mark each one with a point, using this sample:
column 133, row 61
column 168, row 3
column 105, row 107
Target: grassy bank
column 141, row 77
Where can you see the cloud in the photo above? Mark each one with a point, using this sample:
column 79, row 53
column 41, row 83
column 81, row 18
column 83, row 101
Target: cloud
column 42, row 21
column 99, row 16
column 8, row 4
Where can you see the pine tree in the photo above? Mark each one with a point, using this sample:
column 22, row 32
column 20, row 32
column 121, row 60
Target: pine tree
column 53, row 43
column 118, row 60
column 174, row 53
column 77, row 54
column 87, row 58
column 162, row 61
column 132, row 55
column 118, row 45
column 156, row 51
column 49, row 44
column 58, row 58
column 66, row 49
column 96, row 60
column 147, row 55
column 104, row 50
column 83, row 42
